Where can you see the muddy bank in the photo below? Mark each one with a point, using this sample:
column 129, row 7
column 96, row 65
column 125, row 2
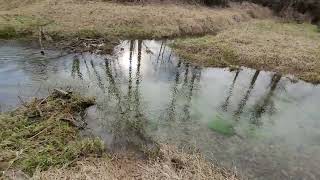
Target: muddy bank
column 285, row 48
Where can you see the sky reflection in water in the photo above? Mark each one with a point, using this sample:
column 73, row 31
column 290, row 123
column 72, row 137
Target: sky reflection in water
column 260, row 122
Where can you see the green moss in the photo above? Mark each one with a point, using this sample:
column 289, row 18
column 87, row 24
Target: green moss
column 222, row 126
column 36, row 136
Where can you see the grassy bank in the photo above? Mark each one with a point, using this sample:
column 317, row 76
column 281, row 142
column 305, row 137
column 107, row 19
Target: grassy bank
column 67, row 18
column 44, row 133
column 286, row 48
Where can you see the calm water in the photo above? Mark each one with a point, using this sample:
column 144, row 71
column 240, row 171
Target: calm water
column 258, row 123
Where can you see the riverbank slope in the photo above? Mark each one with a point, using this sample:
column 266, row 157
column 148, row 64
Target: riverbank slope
column 272, row 45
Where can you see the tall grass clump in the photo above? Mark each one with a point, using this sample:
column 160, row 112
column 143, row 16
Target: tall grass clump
column 44, row 133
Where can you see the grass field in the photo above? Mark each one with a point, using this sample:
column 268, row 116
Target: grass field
column 65, row 18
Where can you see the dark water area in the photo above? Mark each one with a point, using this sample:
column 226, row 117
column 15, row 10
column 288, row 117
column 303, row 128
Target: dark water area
column 260, row 124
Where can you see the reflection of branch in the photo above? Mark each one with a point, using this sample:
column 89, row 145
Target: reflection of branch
column 97, row 75
column 112, row 83
column 76, row 68
column 226, row 103
column 159, row 52
column 187, row 106
column 186, row 74
column 138, row 74
column 260, row 109
column 148, row 50
column 88, row 71
column 164, row 48
column 130, row 69
column 169, row 59
column 243, row 102
column 172, row 105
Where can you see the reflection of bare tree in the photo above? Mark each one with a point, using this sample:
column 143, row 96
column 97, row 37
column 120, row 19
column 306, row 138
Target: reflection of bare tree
column 128, row 126
column 169, row 58
column 130, row 68
column 243, row 101
column 171, row 109
column 186, row 90
column 226, row 103
column 87, row 67
column 138, row 77
column 185, row 81
column 97, row 74
column 261, row 107
column 76, row 67
column 160, row 51
column 164, row 49
column 190, row 88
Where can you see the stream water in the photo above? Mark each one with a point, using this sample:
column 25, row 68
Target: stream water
column 258, row 123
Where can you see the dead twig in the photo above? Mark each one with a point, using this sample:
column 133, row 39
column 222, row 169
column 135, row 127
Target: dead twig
column 40, row 132
column 43, row 100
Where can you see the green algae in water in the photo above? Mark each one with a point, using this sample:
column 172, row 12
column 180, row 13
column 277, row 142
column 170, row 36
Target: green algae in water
column 222, row 126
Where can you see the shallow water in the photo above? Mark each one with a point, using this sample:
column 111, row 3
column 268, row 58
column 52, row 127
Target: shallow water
column 258, row 123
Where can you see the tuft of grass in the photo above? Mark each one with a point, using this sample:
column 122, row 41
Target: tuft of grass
column 222, row 126
column 286, row 48
column 44, row 133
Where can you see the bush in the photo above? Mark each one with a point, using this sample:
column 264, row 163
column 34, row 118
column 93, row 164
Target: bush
column 309, row 7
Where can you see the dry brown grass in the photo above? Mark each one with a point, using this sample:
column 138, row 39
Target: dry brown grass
column 174, row 165
column 286, row 48
column 90, row 18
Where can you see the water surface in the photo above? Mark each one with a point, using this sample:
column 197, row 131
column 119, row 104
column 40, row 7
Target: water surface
column 259, row 123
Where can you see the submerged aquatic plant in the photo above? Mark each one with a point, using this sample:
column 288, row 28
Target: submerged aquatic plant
column 44, row 133
column 222, row 126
